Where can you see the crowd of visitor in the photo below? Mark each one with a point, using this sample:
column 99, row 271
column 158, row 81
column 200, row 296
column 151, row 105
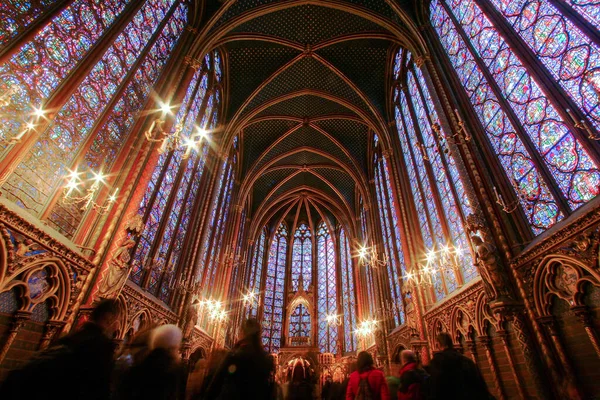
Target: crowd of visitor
column 83, row 365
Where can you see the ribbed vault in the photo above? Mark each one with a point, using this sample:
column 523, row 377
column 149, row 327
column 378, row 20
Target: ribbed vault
column 305, row 95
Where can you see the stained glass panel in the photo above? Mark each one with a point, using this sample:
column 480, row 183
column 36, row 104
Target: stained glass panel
column 570, row 56
column 348, row 293
column 302, row 257
column 300, row 324
column 273, row 297
column 58, row 145
column 35, row 71
column 16, row 15
column 327, row 290
column 256, row 271
column 537, row 201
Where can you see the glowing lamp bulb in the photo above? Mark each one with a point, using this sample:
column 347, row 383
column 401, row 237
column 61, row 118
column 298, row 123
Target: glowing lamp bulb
column 165, row 108
column 38, row 112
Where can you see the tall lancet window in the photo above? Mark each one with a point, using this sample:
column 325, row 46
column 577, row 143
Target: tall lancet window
column 348, row 292
column 168, row 201
column 437, row 188
column 302, row 258
column 88, row 130
column 396, row 268
column 520, row 62
column 300, row 325
column 274, row 290
column 256, row 270
column 326, row 289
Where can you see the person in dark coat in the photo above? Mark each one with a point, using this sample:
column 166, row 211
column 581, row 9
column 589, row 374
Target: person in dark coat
column 375, row 379
column 248, row 371
column 78, row 366
column 160, row 375
column 411, row 377
column 454, row 376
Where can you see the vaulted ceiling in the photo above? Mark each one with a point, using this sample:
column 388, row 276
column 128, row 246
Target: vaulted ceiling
column 307, row 87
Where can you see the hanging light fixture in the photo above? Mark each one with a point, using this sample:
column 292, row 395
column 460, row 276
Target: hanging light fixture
column 81, row 191
column 446, row 258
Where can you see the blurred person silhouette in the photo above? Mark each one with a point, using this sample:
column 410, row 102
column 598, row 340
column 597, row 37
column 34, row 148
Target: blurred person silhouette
column 248, row 371
column 411, row 377
column 77, row 366
column 367, row 382
column 207, row 389
column 453, row 376
column 160, row 375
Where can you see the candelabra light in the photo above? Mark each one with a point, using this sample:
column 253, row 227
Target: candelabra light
column 333, row 319
column 582, row 124
column 74, row 192
column 510, row 207
column 170, row 141
column 29, row 126
column 250, row 298
column 366, row 328
column 445, row 259
column 368, row 256
column 213, row 309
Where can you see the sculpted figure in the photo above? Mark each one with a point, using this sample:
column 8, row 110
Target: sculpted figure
column 494, row 281
column 118, row 270
column 190, row 319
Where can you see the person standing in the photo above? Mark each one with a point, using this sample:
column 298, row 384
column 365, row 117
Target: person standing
column 159, row 376
column 78, row 366
column 411, row 377
column 367, row 382
column 454, row 376
column 248, row 371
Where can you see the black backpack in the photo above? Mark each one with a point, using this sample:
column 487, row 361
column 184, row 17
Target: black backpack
column 364, row 390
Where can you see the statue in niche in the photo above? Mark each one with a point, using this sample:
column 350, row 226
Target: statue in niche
column 118, row 270
column 190, row 319
column 119, row 266
column 495, row 284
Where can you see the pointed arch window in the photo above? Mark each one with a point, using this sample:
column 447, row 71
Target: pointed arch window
column 302, row 257
column 327, row 289
column 396, row 267
column 437, row 187
column 348, row 293
column 274, row 290
column 169, row 199
column 552, row 167
column 256, row 271
column 300, row 326
column 89, row 129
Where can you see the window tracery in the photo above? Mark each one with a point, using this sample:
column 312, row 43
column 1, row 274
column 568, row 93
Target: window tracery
column 326, row 289
column 302, row 257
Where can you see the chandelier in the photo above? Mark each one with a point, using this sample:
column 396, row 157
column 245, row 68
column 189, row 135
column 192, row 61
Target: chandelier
column 369, row 256
column 81, row 191
column 170, row 141
column 366, row 328
column 333, row 319
column 446, row 258
column 30, row 125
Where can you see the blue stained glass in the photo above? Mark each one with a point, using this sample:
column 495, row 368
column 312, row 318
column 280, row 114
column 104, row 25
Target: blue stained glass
column 538, row 203
column 300, row 324
column 348, row 293
column 273, row 296
column 327, row 290
column 302, row 257
column 256, row 271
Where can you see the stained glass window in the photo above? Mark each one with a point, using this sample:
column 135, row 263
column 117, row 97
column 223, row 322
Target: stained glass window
column 300, row 325
column 16, row 15
column 302, row 257
column 256, row 271
column 176, row 181
column 521, row 122
column 437, row 187
column 274, row 290
column 88, row 131
column 391, row 235
column 348, row 293
column 327, row 289
column 34, row 72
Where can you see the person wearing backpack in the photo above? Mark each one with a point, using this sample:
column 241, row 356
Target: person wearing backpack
column 367, row 383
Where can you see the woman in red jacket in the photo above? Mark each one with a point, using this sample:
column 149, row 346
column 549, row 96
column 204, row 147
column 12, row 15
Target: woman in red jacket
column 367, row 382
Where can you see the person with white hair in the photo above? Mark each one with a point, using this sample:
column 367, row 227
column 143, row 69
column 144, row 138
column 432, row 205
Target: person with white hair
column 160, row 375
column 411, row 377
